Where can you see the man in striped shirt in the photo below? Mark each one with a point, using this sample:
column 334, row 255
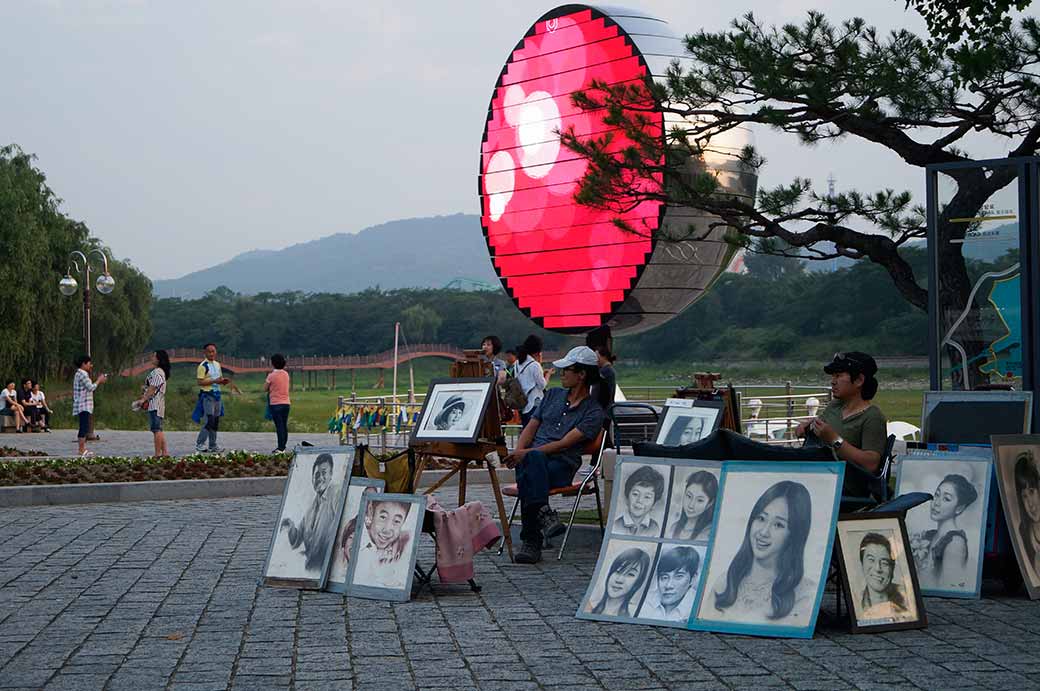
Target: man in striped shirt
column 83, row 399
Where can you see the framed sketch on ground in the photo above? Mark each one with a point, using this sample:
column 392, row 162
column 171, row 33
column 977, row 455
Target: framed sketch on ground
column 453, row 410
column 946, row 534
column 1017, row 462
column 308, row 517
column 651, row 564
column 386, row 540
column 877, row 573
column 770, row 548
column 337, row 580
column 686, row 420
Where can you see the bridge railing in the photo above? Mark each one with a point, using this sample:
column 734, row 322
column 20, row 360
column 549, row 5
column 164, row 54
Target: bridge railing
column 299, row 362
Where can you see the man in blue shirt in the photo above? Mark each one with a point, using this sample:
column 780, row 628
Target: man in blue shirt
column 548, row 452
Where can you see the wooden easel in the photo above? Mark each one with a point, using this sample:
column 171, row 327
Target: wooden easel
column 490, row 440
column 706, row 390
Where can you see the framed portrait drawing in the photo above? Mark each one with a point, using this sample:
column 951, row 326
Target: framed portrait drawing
column 1016, row 459
column 686, row 420
column 342, row 547
column 770, row 548
column 386, row 539
column 651, row 564
column 878, row 576
column 946, row 534
column 453, row 410
column 308, row 517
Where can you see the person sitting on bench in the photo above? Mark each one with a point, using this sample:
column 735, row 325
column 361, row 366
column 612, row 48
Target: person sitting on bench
column 9, row 406
column 548, row 452
column 853, row 427
column 40, row 399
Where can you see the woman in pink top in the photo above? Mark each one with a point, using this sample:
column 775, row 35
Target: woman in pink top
column 277, row 388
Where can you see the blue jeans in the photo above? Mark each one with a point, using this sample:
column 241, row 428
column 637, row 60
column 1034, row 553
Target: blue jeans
column 280, row 417
column 535, row 476
column 210, row 421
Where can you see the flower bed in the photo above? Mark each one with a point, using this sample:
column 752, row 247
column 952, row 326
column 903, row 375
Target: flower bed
column 70, row 471
column 10, row 452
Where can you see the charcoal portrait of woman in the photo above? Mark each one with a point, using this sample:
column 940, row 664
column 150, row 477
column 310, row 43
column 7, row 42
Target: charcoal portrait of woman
column 766, row 580
column 1027, row 493
column 622, row 587
column 942, row 553
column 696, row 507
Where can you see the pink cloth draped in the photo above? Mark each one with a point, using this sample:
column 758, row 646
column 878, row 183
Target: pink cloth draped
column 461, row 533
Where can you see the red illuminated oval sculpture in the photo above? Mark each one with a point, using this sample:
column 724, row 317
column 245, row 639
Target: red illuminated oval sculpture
column 569, row 267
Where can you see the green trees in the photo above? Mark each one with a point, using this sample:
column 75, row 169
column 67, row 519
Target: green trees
column 335, row 324
column 42, row 329
column 776, row 310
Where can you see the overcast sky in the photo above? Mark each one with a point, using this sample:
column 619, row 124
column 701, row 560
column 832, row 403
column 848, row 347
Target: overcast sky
column 184, row 133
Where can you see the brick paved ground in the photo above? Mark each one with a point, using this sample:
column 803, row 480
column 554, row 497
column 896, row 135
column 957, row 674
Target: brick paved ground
column 164, row 595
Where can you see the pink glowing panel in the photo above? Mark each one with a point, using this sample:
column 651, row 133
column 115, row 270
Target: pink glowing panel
column 566, row 266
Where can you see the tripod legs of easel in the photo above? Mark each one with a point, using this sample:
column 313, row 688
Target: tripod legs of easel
column 460, row 466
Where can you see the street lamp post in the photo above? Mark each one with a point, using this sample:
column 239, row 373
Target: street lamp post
column 104, row 284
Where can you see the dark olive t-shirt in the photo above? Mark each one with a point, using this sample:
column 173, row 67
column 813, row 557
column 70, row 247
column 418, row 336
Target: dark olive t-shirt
column 866, row 430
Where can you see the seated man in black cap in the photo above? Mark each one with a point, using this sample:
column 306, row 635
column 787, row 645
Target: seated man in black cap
column 853, row 427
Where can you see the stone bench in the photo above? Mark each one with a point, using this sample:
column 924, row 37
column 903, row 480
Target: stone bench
column 7, row 423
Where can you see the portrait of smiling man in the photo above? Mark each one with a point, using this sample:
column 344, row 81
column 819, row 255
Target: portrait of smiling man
column 317, row 529
column 675, row 580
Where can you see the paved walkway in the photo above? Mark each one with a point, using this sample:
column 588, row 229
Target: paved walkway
column 62, row 442
column 165, row 595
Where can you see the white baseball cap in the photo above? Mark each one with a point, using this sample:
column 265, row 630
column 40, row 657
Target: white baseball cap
column 582, row 355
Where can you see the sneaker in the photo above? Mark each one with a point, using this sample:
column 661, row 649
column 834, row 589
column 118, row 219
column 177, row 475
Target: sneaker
column 86, row 454
column 200, row 449
column 214, row 449
column 549, row 521
column 529, row 553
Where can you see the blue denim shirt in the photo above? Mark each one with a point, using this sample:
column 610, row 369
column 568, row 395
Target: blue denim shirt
column 557, row 418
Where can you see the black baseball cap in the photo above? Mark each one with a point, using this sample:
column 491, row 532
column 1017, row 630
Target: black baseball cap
column 853, row 362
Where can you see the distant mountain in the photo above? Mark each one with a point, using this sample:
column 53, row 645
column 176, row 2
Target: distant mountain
column 410, row 253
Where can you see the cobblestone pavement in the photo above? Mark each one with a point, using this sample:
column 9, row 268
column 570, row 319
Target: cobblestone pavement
column 164, row 595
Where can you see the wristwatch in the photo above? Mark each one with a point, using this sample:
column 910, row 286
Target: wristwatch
column 836, row 444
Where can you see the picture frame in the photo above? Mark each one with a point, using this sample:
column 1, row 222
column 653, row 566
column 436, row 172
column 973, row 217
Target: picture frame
column 382, row 561
column 454, row 410
column 877, row 573
column 664, row 573
column 1016, row 460
column 308, row 516
column 770, row 513
column 336, row 581
column 954, row 520
column 971, row 417
column 687, row 420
